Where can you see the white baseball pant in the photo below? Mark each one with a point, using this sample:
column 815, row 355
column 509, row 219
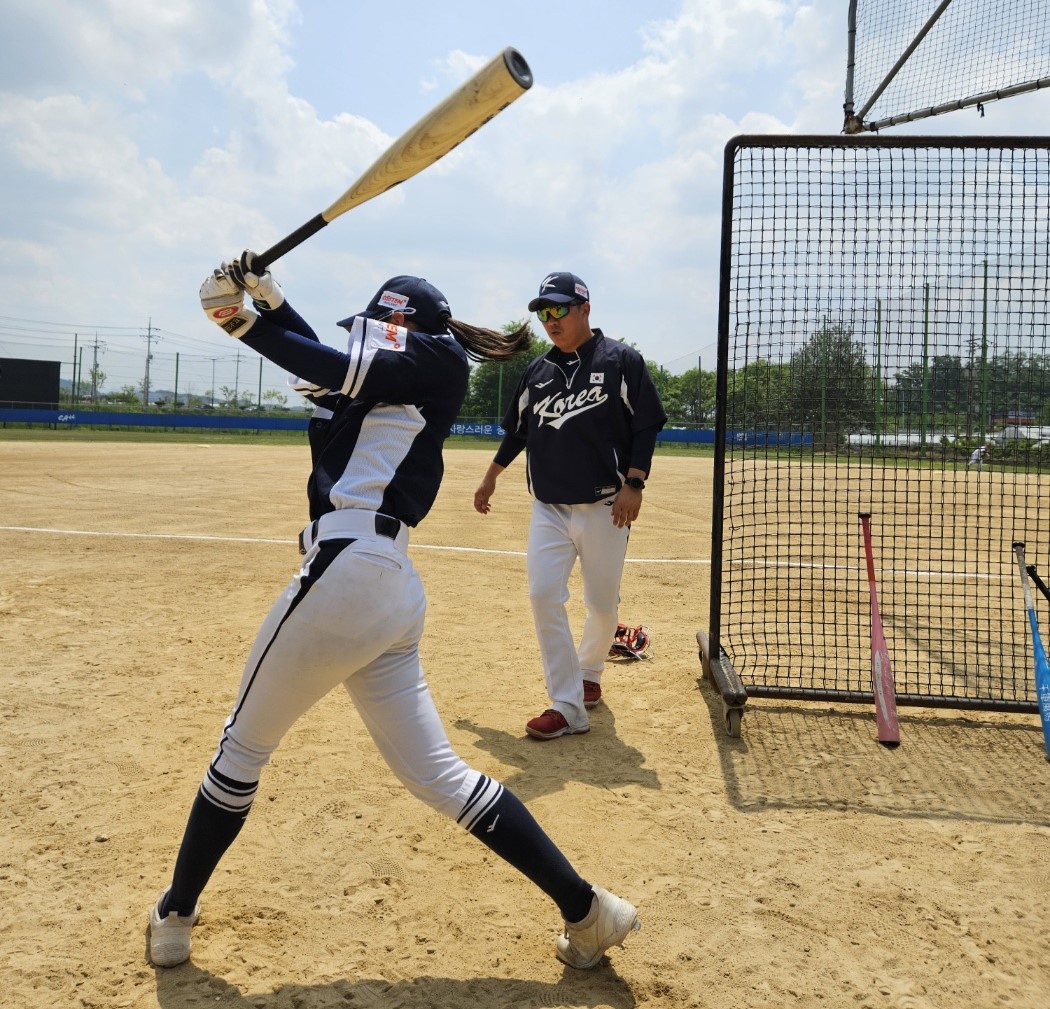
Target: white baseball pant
column 558, row 535
column 359, row 624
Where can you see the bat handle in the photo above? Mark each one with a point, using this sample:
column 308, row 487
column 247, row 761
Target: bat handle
column 289, row 242
column 1037, row 581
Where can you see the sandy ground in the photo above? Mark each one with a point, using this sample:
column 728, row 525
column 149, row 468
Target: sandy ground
column 799, row 865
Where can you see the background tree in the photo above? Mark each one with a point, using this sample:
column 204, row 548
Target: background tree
column 1012, row 384
column 694, row 397
column 96, row 379
column 941, row 386
column 759, row 397
column 668, row 388
column 128, row 395
column 832, row 386
column 1018, row 384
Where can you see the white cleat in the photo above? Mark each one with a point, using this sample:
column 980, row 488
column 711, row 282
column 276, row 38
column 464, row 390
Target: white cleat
column 607, row 924
column 169, row 937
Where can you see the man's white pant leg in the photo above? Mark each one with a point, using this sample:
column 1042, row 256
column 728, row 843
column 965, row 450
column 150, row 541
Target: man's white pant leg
column 551, row 556
column 602, row 548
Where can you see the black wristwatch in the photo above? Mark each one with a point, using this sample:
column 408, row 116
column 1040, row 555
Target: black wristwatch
column 635, row 482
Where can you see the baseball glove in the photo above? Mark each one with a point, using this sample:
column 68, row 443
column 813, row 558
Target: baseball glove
column 631, row 643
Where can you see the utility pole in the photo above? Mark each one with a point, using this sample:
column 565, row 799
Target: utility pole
column 699, row 390
column 149, row 356
column 94, row 370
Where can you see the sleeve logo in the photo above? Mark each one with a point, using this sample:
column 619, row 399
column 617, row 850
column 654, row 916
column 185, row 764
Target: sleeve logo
column 384, row 336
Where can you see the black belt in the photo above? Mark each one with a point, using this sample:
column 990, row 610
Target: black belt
column 385, row 526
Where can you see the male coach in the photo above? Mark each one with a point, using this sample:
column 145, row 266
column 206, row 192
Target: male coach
column 587, row 415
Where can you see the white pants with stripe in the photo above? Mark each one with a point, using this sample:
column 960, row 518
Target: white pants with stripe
column 558, row 535
column 352, row 616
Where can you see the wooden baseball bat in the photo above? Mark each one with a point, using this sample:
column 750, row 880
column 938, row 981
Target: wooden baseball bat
column 1042, row 666
column 503, row 79
column 881, row 672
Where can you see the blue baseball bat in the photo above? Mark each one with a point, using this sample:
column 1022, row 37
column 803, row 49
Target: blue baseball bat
column 1042, row 667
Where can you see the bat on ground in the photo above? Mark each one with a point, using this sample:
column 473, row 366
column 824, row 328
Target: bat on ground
column 503, row 79
column 1038, row 582
column 1042, row 667
column 889, row 732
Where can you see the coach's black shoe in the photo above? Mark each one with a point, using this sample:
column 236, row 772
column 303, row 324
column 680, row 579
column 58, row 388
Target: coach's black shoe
column 169, row 937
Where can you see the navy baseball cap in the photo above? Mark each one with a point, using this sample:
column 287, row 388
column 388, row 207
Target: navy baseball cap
column 420, row 300
column 560, row 289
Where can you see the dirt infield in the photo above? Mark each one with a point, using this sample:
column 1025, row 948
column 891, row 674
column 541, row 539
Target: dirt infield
column 800, row 865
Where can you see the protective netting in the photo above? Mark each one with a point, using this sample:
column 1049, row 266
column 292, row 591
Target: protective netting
column 884, row 315
column 975, row 51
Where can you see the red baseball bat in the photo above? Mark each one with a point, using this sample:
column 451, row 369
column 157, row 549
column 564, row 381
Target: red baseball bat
column 881, row 671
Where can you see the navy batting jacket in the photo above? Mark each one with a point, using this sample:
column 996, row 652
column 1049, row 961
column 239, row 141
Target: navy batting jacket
column 583, row 419
column 393, row 397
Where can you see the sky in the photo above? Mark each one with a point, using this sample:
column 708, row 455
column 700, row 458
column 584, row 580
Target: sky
column 141, row 144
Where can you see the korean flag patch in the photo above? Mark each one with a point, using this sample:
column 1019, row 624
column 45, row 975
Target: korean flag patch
column 597, row 377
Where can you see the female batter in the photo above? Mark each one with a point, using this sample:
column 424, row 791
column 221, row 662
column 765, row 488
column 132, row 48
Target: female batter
column 354, row 613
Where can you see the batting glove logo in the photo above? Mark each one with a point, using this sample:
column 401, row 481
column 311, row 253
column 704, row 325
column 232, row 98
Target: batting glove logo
column 234, row 325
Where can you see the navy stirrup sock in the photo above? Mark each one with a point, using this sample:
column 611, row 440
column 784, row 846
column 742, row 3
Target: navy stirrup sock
column 511, row 831
column 209, row 832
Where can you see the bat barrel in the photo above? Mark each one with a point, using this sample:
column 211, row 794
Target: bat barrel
column 490, row 90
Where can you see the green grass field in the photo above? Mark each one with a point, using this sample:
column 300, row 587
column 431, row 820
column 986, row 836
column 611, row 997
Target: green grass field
column 246, row 437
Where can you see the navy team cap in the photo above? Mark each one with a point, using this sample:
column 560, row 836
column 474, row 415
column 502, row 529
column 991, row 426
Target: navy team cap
column 420, row 300
column 560, row 289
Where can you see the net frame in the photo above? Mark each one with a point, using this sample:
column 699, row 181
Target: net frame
column 1000, row 50
column 943, row 532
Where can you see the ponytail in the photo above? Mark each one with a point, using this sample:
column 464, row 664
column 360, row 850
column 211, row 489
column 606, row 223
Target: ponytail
column 488, row 345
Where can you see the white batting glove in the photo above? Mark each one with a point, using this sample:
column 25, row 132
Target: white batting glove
column 261, row 288
column 223, row 303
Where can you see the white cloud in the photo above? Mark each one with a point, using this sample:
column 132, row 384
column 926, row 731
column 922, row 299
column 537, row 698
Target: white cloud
column 139, row 143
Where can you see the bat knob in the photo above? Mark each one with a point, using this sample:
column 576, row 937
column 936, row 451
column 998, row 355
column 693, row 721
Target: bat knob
column 517, row 67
